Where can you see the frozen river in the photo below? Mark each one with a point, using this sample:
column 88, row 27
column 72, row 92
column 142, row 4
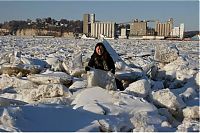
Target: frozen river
column 44, row 87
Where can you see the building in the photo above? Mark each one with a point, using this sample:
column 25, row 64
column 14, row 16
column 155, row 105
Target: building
column 106, row 29
column 85, row 23
column 138, row 28
column 182, row 30
column 175, row 32
column 87, row 20
column 123, row 33
column 4, row 32
column 164, row 29
column 93, row 28
column 92, row 18
column 178, row 31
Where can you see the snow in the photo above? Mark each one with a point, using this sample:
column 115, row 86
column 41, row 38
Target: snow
column 44, row 87
column 165, row 98
column 139, row 88
column 101, row 78
column 110, row 102
column 47, row 118
column 55, row 77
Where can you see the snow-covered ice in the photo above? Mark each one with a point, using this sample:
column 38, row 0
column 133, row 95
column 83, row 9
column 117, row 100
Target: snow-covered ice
column 44, row 86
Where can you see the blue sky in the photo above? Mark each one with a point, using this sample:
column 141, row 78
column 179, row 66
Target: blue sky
column 186, row 12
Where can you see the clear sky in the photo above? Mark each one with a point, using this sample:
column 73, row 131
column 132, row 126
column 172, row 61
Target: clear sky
column 186, row 12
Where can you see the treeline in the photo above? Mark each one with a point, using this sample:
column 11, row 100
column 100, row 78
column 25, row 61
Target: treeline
column 48, row 23
column 189, row 34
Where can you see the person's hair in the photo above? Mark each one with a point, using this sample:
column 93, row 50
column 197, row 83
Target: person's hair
column 105, row 53
column 100, row 44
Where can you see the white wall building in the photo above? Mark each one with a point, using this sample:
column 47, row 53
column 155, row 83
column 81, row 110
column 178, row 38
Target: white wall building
column 123, row 33
column 92, row 18
column 178, row 31
column 182, row 30
column 175, row 32
column 103, row 28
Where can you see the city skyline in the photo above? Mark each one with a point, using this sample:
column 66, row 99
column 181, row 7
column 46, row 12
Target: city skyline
column 186, row 12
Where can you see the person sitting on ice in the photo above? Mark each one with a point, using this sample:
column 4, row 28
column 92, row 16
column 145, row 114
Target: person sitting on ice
column 101, row 59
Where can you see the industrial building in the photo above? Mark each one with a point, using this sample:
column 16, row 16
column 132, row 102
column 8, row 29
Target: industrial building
column 94, row 28
column 164, row 29
column 175, row 32
column 87, row 20
column 123, row 34
column 106, row 29
column 138, row 28
column 182, row 30
column 178, row 31
column 135, row 29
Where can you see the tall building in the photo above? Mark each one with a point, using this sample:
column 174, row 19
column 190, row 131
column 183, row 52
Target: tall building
column 85, row 23
column 175, row 32
column 103, row 28
column 164, row 29
column 123, row 33
column 182, row 30
column 87, row 20
column 138, row 28
column 92, row 18
column 178, row 31
column 93, row 28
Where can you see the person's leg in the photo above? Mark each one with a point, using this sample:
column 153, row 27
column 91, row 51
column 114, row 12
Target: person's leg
column 119, row 85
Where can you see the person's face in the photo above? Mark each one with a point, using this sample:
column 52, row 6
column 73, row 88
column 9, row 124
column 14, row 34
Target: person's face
column 99, row 50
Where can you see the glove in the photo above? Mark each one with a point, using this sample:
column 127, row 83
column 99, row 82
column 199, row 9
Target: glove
column 87, row 68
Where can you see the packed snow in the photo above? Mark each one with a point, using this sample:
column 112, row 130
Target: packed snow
column 44, row 86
